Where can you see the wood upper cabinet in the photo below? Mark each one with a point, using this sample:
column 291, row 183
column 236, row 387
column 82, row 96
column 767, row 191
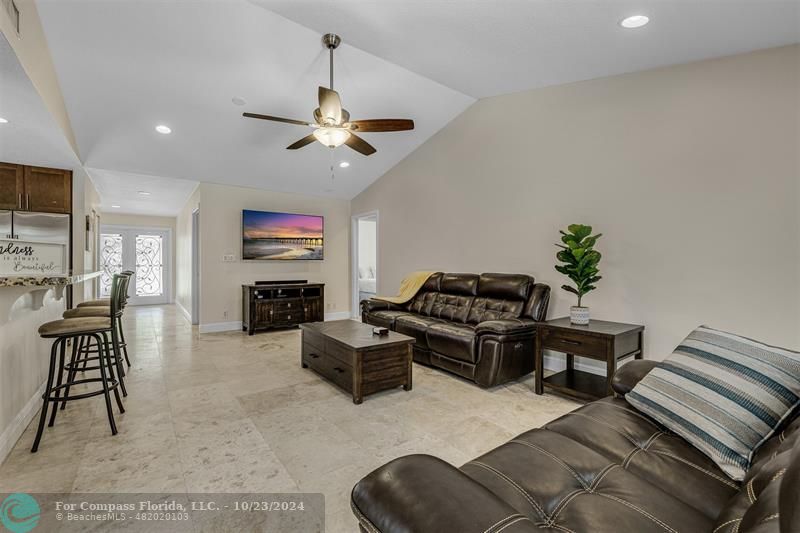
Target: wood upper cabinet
column 11, row 186
column 48, row 190
column 26, row 188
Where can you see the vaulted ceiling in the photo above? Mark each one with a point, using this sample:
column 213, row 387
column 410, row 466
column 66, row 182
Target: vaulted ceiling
column 126, row 66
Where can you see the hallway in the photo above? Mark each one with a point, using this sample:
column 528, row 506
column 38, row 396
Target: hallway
column 227, row 412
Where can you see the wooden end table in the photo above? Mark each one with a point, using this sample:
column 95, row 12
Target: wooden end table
column 599, row 340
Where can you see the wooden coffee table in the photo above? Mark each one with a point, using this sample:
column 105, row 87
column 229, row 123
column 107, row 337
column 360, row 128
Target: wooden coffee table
column 347, row 353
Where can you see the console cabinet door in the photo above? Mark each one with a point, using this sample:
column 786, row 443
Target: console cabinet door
column 48, row 190
column 11, row 186
column 263, row 313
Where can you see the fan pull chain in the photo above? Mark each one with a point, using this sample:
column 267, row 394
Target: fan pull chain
column 333, row 176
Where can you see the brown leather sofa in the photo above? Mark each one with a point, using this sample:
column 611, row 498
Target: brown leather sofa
column 602, row 468
column 481, row 327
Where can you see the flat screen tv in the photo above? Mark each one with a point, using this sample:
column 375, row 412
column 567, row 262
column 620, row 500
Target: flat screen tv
column 281, row 236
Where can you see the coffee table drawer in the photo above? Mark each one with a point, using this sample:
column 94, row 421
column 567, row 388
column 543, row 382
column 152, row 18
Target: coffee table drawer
column 567, row 342
column 329, row 367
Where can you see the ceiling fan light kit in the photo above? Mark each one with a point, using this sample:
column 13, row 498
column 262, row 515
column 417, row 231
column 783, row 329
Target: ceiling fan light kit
column 332, row 124
column 331, row 137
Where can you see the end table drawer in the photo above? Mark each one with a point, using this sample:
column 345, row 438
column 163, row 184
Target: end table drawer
column 567, row 342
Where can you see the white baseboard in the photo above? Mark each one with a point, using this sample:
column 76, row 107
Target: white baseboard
column 557, row 363
column 16, row 428
column 339, row 315
column 186, row 314
column 216, row 327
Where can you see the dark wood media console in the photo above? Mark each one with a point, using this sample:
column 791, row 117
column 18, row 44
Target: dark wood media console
column 281, row 304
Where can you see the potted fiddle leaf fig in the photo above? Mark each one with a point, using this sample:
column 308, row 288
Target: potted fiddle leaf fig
column 580, row 261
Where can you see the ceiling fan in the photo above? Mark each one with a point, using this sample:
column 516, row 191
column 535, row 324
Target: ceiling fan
column 332, row 126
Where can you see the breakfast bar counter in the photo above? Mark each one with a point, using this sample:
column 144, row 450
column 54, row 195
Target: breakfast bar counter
column 26, row 302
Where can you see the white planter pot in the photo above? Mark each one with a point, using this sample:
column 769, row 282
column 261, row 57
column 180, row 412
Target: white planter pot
column 579, row 315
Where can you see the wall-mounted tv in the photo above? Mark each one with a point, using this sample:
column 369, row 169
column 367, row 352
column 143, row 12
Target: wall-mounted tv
column 283, row 236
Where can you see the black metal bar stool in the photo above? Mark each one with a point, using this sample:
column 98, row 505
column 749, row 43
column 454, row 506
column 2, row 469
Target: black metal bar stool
column 93, row 328
column 106, row 302
column 83, row 354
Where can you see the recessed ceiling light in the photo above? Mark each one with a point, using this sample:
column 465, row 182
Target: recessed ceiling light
column 115, row 206
column 144, row 193
column 238, row 100
column 344, row 164
column 161, row 128
column 3, row 121
column 635, row 21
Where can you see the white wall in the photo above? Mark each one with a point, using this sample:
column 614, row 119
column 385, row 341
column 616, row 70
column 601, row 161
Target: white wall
column 690, row 172
column 183, row 254
column 221, row 234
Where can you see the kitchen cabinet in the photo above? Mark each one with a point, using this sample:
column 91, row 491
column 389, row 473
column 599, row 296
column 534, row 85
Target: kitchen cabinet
column 11, row 186
column 40, row 189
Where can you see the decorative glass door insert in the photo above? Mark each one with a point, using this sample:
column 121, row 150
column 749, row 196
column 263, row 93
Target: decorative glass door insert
column 110, row 260
column 146, row 253
column 149, row 265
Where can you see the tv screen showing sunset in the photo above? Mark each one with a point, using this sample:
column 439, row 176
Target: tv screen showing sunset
column 268, row 235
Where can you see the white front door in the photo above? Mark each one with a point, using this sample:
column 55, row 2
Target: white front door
column 145, row 251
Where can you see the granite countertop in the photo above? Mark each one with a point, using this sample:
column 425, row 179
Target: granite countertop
column 45, row 281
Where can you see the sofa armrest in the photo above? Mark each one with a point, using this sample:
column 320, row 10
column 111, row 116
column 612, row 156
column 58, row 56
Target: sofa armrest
column 628, row 375
column 424, row 494
column 506, row 327
column 368, row 306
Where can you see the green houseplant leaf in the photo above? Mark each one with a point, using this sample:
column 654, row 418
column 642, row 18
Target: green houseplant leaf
column 579, row 259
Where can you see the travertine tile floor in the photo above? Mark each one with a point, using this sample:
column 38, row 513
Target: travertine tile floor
column 226, row 412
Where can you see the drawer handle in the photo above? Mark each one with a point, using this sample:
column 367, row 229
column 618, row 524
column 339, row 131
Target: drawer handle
column 289, row 317
column 574, row 343
column 339, row 370
column 288, row 305
column 313, row 355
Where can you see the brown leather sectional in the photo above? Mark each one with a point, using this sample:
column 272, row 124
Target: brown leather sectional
column 479, row 326
column 602, row 468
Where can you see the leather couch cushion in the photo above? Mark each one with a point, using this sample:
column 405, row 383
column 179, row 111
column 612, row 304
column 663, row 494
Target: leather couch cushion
column 770, row 489
column 464, row 284
column 455, row 340
column 505, row 286
column 587, row 471
column 415, row 326
column 432, row 284
column 483, row 309
column 614, row 429
column 386, row 318
column 422, row 303
column 452, row 307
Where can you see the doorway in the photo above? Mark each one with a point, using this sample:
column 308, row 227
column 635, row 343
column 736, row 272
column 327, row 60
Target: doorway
column 365, row 259
column 145, row 251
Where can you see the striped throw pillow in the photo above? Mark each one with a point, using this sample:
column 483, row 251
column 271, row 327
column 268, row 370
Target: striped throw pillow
column 723, row 393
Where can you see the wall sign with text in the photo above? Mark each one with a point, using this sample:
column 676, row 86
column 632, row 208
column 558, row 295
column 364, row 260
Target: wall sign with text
column 28, row 258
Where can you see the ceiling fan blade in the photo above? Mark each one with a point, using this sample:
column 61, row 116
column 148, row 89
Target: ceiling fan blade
column 330, row 105
column 308, row 139
column 360, row 145
column 382, row 124
column 277, row 119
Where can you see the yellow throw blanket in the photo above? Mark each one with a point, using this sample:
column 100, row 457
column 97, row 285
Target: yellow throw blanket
column 409, row 287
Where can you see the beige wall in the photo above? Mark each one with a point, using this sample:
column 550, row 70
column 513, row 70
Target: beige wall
column 690, row 172
column 183, row 253
column 34, row 56
column 85, row 201
column 220, row 234
column 143, row 221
